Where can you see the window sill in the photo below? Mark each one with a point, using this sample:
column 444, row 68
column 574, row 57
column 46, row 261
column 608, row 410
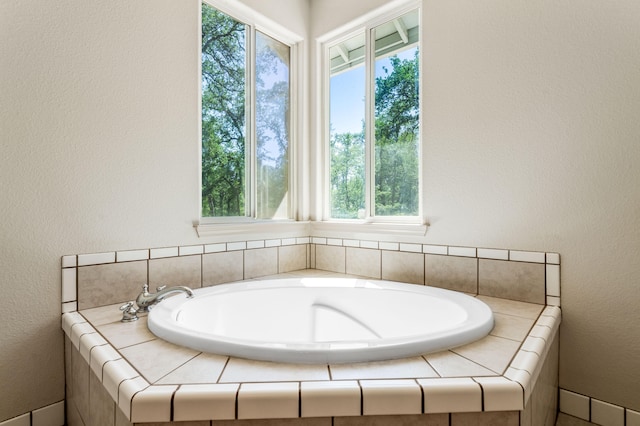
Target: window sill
column 372, row 230
column 253, row 229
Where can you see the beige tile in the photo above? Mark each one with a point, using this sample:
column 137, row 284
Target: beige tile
column 392, row 369
column 244, row 370
column 100, row 355
column 633, row 417
column 157, row 358
column 451, row 395
column 331, row 258
column 363, row 262
column 574, row 404
column 451, row 272
column 387, row 397
column 121, row 419
column 512, row 280
column 205, row 401
column 501, row 394
column 203, row 368
column 225, row 267
column 513, row 307
column 544, row 398
column 69, row 319
column 450, row 364
column 123, row 334
column 268, row 400
column 78, row 330
column 403, row 267
column 52, row 414
column 330, row 398
column 100, row 285
column 292, row 258
column 103, row 314
column 171, row 271
column 491, row 352
column 152, row 404
column 101, row 406
column 499, row 418
column 80, row 384
column 260, row 262
column 567, row 420
column 406, row 420
column 511, row 327
column 88, row 342
column 126, row 391
column 195, row 423
column 115, row 373
column 603, row 413
column 73, row 416
column 321, row 421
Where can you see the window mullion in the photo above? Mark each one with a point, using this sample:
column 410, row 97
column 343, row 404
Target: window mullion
column 250, row 146
column 369, row 61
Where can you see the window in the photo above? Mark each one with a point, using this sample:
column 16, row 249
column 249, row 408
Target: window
column 374, row 122
column 246, row 123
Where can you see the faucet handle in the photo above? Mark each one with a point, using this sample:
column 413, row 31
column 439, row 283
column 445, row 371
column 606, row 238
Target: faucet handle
column 162, row 287
column 129, row 313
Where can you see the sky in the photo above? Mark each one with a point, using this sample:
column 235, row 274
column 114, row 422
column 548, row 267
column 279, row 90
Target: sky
column 347, row 95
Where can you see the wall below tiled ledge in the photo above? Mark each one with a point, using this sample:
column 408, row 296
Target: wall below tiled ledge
column 99, row 279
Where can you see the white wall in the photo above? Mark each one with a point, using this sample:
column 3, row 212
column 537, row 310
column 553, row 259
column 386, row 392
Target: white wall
column 99, row 151
column 532, row 141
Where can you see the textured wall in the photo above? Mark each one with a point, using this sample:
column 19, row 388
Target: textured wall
column 99, row 151
column 532, row 140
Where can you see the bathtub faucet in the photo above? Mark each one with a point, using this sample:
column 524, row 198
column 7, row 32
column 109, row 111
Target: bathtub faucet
column 146, row 300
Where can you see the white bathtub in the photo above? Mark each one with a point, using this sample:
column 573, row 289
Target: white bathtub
column 321, row 320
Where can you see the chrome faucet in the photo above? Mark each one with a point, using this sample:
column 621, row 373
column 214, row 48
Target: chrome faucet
column 146, row 300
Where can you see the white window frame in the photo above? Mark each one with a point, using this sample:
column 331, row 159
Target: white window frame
column 381, row 224
column 210, row 226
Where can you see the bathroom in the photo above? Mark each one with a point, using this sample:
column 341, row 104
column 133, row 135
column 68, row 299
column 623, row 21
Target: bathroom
column 530, row 144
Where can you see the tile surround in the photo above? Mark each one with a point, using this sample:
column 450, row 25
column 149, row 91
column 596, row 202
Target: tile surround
column 380, row 388
column 88, row 280
column 340, row 256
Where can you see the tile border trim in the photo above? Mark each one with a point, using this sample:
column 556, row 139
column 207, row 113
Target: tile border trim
column 590, row 409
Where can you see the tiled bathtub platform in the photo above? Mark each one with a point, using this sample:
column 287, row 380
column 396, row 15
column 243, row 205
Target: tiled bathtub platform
column 121, row 374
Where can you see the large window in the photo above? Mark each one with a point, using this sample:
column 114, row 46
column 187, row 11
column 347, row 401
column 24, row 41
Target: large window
column 245, row 120
column 374, row 122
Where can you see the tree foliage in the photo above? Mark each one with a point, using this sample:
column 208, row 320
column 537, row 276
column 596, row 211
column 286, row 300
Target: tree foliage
column 223, row 114
column 397, row 124
column 225, row 156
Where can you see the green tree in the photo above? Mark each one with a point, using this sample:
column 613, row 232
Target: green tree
column 347, row 175
column 397, row 123
column 223, row 114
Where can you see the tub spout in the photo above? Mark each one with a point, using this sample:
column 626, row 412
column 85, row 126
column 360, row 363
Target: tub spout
column 146, row 300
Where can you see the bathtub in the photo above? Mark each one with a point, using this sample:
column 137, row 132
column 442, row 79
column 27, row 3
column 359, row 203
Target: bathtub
column 321, row 320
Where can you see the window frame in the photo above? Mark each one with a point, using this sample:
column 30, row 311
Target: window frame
column 366, row 25
column 255, row 22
